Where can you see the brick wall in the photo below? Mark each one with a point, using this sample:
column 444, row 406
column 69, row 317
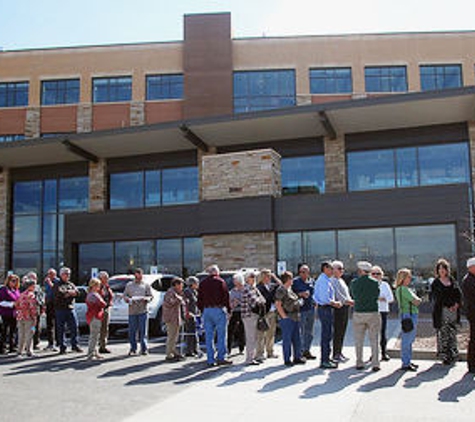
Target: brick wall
column 241, row 174
column 335, row 165
column 233, row 251
column 4, row 220
column 98, row 186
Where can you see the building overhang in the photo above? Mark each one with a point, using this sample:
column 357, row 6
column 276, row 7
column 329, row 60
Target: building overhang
column 330, row 120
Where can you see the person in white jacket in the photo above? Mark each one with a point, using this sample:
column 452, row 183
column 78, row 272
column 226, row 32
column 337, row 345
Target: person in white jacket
column 385, row 298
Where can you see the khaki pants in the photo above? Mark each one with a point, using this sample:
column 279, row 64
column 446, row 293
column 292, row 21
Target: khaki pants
column 173, row 330
column 250, row 329
column 94, row 333
column 266, row 339
column 371, row 322
column 25, row 336
column 104, row 335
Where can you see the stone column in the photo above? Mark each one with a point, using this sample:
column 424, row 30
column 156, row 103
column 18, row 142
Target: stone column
column 32, row 123
column 240, row 175
column 4, row 220
column 335, row 165
column 84, row 118
column 137, row 113
column 98, row 186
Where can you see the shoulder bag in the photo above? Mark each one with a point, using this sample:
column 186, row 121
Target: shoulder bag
column 407, row 325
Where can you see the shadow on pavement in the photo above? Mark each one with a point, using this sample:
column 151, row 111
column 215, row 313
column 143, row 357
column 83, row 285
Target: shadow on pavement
column 461, row 388
column 433, row 373
column 250, row 376
column 386, row 382
column 337, row 380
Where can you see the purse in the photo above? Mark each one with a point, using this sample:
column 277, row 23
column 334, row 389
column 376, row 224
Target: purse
column 262, row 324
column 407, row 325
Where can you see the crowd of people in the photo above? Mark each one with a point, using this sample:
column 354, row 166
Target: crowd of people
column 247, row 315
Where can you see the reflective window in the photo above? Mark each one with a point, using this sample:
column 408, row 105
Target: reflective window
column 179, row 185
column 129, row 255
column 26, row 233
column 263, row 90
column 63, row 91
column 50, row 231
column 153, row 188
column 385, row 79
column 73, row 194
column 403, row 167
column 114, row 89
column 23, row 262
column 27, row 197
column 14, row 94
column 303, row 174
column 336, row 80
column 440, row 76
column 95, row 255
column 10, row 138
column 164, row 87
column 318, row 247
column 126, row 190
column 290, row 250
column 192, row 256
column 169, row 256
column 50, row 196
column 371, row 170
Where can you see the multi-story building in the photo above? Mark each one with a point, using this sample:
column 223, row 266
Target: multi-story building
column 243, row 152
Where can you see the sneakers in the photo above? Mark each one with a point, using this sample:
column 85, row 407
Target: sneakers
column 328, row 365
column 385, row 357
column 132, row 353
column 253, row 363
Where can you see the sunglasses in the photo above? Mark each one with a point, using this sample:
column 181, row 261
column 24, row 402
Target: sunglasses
column 376, row 274
column 339, row 268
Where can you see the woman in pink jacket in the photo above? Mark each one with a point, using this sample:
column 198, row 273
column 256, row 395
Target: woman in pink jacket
column 26, row 314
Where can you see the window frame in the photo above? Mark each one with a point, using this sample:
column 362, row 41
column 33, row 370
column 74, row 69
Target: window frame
column 437, row 78
column 331, row 79
column 384, row 78
column 110, row 86
column 12, row 90
column 61, row 90
column 164, row 82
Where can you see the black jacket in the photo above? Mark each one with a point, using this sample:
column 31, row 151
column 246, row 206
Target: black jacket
column 268, row 293
column 444, row 297
column 468, row 291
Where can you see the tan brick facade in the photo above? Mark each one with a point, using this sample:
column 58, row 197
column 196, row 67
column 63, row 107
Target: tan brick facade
column 32, row 123
column 233, row 251
column 335, row 165
column 241, row 174
column 84, row 118
column 137, row 113
column 4, row 219
column 98, row 186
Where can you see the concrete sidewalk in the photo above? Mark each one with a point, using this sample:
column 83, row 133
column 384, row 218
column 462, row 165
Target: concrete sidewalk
column 273, row 392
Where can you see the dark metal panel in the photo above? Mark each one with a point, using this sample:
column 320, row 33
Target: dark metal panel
column 50, row 172
column 153, row 161
column 396, row 207
column 424, row 135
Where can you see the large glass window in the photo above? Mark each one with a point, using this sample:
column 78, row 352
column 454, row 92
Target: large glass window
column 263, row 90
column 318, row 247
column 95, row 255
column 10, row 138
column 385, row 79
column 303, row 174
column 192, row 256
column 403, row 167
column 164, row 87
column 63, row 91
column 38, row 221
column 108, row 90
column 290, row 250
column 332, row 80
column 129, row 255
column 440, row 76
column 153, row 188
column 169, row 256
column 14, row 94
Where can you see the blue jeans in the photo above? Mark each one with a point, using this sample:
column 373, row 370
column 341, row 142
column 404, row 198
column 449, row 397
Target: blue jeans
column 215, row 320
column 325, row 314
column 63, row 317
column 138, row 324
column 307, row 325
column 290, row 339
column 407, row 339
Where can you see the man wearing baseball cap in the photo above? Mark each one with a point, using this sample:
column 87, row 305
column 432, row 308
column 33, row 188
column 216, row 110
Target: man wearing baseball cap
column 468, row 290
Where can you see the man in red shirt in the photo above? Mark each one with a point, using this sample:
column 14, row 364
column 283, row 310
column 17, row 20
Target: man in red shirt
column 213, row 302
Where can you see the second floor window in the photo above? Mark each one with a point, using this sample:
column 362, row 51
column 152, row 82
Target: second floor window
column 109, row 90
column 263, row 90
column 14, row 94
column 64, row 91
column 9, row 138
column 385, row 79
column 440, row 76
column 331, row 81
column 164, row 87
column 303, row 174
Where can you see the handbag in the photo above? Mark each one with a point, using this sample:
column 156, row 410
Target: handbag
column 407, row 325
column 262, row 324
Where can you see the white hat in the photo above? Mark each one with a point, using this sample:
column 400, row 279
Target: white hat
column 364, row 266
column 470, row 262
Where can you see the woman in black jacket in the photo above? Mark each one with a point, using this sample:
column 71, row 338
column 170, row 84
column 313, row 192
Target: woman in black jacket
column 446, row 298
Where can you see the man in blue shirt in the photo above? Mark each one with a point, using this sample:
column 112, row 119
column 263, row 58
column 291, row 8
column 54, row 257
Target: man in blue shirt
column 303, row 287
column 324, row 296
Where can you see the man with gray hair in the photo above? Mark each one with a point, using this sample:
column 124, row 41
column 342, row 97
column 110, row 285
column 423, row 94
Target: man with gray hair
column 213, row 302
column 106, row 293
column 365, row 292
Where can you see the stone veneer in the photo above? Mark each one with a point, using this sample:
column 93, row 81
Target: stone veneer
column 4, row 220
column 234, row 251
column 84, row 118
column 137, row 113
column 98, row 186
column 241, row 174
column 32, row 123
column 335, row 165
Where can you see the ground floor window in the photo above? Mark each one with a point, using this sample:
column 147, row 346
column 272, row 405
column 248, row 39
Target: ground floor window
column 180, row 256
column 415, row 247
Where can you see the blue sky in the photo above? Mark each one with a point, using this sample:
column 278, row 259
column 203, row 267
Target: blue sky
column 46, row 23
